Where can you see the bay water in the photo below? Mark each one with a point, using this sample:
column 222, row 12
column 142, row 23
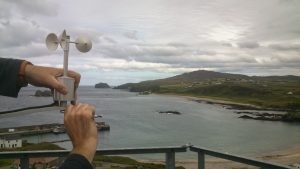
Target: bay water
column 135, row 122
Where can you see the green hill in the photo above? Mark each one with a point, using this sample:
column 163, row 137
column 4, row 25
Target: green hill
column 281, row 92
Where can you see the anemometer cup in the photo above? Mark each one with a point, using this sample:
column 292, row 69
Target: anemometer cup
column 70, row 96
column 52, row 42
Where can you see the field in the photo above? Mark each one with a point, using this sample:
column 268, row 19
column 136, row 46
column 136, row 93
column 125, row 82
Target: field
column 269, row 94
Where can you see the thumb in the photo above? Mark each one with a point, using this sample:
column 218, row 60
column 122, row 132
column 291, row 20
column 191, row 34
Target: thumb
column 57, row 85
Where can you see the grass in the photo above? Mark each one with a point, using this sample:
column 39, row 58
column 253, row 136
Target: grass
column 6, row 162
column 27, row 147
column 133, row 164
column 115, row 160
column 32, row 147
column 292, row 116
column 267, row 95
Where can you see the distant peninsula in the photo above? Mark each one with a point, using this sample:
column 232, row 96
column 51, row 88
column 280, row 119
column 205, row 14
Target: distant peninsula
column 102, row 85
column 267, row 92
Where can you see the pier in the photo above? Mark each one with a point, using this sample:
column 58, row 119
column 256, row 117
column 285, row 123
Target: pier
column 54, row 128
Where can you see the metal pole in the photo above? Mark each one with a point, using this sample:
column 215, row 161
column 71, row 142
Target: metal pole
column 170, row 160
column 66, row 56
column 24, row 162
column 201, row 160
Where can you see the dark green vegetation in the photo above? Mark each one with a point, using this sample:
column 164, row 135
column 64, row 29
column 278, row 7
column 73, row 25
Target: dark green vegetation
column 292, row 116
column 276, row 92
column 32, row 147
column 115, row 162
column 128, row 163
column 27, row 147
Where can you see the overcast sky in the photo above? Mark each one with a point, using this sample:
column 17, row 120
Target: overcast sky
column 135, row 40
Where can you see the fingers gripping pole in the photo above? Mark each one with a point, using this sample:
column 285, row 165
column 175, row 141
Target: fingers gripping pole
column 70, row 96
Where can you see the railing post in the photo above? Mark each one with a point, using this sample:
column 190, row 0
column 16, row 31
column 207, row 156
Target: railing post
column 24, row 162
column 170, row 160
column 201, row 160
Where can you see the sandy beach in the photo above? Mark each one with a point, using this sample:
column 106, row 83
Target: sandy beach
column 214, row 101
column 290, row 157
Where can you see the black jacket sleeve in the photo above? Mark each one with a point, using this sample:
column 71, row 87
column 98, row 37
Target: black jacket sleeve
column 76, row 161
column 9, row 69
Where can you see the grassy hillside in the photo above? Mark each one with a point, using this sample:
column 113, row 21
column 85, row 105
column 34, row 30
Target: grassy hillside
column 281, row 92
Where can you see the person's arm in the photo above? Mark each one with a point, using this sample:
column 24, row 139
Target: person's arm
column 9, row 77
column 15, row 74
column 81, row 128
column 76, row 161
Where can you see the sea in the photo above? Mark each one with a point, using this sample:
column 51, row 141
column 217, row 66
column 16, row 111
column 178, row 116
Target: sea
column 135, row 122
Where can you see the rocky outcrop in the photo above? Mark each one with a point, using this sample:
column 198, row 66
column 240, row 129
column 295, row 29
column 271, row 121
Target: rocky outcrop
column 44, row 93
column 264, row 116
column 102, row 85
column 170, row 112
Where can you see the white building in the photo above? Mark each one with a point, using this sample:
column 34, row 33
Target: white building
column 10, row 142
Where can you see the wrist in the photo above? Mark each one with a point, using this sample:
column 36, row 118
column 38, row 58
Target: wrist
column 23, row 71
column 88, row 154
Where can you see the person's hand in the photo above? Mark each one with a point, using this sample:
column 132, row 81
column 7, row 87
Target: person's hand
column 47, row 77
column 82, row 130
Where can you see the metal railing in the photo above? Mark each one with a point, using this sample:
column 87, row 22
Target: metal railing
column 245, row 160
column 168, row 151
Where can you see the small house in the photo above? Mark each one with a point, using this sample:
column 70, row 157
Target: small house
column 10, row 142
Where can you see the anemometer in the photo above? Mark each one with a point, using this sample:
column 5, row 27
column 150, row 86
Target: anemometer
column 83, row 44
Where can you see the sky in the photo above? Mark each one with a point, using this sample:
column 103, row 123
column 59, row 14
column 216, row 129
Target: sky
column 136, row 40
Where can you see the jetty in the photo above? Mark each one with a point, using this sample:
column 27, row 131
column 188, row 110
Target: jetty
column 54, row 128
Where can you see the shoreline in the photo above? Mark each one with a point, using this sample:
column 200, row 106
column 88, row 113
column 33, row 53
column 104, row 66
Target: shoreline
column 216, row 101
column 289, row 156
column 246, row 111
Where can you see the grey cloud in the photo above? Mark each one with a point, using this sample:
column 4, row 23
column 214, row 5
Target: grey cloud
column 249, row 45
column 138, row 52
column 198, row 34
column 177, row 44
column 28, row 8
column 131, row 35
column 110, row 40
column 5, row 8
column 186, row 55
column 5, row 23
column 26, row 51
column 285, row 47
column 19, row 33
column 227, row 44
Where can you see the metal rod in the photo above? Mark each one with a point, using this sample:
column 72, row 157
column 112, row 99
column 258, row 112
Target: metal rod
column 24, row 162
column 66, row 56
column 201, row 160
column 170, row 160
